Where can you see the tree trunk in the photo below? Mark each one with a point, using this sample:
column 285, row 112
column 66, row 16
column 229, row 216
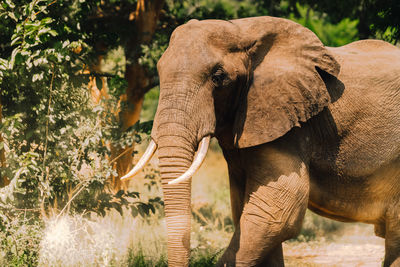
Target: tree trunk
column 97, row 93
column 145, row 18
column 123, row 164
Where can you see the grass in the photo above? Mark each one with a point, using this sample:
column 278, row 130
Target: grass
column 138, row 259
column 141, row 260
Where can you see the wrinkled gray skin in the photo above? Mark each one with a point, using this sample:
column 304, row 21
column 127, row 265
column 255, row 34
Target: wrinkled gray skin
column 301, row 125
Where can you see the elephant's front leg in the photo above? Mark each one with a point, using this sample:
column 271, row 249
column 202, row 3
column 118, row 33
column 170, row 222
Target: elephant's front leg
column 237, row 183
column 392, row 236
column 276, row 196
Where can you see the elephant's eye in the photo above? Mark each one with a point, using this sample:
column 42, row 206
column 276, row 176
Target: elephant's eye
column 218, row 77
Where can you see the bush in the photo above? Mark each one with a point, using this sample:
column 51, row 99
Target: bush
column 57, row 142
column 20, row 236
column 330, row 34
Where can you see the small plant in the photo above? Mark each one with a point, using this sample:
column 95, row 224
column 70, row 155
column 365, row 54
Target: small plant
column 20, row 235
column 208, row 216
column 315, row 226
column 138, row 259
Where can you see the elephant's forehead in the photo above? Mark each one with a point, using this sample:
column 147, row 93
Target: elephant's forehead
column 193, row 57
column 207, row 33
column 203, row 29
column 188, row 55
column 197, row 45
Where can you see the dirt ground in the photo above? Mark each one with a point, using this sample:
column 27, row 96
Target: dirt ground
column 356, row 246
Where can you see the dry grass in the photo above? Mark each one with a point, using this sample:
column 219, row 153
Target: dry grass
column 78, row 241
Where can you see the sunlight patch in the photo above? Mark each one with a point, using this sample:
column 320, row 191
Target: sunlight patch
column 78, row 241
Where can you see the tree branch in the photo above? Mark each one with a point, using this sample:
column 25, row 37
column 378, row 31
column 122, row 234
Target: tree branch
column 98, row 74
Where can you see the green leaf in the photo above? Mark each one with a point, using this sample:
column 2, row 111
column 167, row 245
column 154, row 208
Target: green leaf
column 47, row 20
column 145, row 127
column 117, row 85
column 156, row 199
column 14, row 54
column 120, row 193
column 15, row 39
column 52, row 33
column 99, row 83
column 152, row 208
column 10, row 3
column 102, row 212
column 133, row 194
column 117, row 207
column 12, row 16
column 134, row 211
column 143, row 209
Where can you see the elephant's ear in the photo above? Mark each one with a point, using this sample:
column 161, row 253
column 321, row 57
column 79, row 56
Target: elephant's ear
column 285, row 85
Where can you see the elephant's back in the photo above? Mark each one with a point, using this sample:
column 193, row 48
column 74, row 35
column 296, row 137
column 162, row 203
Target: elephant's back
column 366, row 45
column 364, row 118
column 372, row 62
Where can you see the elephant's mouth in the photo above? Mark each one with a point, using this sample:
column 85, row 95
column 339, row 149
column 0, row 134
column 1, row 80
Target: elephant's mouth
column 197, row 161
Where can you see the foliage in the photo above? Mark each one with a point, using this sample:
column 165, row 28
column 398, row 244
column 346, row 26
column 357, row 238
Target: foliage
column 281, row 8
column 377, row 18
column 19, row 235
column 183, row 11
column 55, row 140
column 58, row 159
column 344, row 32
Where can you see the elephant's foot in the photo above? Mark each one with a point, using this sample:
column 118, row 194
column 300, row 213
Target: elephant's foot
column 274, row 258
column 228, row 259
column 392, row 237
column 391, row 260
column 264, row 225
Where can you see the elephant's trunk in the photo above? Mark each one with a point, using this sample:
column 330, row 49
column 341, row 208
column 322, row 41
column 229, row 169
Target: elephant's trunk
column 176, row 155
column 178, row 128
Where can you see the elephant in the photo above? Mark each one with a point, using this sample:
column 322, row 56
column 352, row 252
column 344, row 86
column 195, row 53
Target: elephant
column 301, row 125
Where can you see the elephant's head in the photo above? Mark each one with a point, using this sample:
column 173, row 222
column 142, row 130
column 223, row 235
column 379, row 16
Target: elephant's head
column 246, row 81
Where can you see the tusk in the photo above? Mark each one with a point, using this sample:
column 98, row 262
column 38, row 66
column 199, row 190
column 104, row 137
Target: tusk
column 143, row 160
column 198, row 160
